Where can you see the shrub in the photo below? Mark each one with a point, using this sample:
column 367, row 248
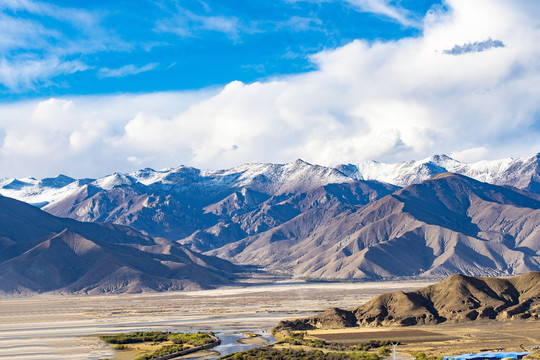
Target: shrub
column 195, row 339
column 169, row 349
column 424, row 356
column 136, row 337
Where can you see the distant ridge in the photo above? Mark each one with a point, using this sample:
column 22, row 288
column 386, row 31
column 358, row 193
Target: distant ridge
column 458, row 298
column 522, row 173
column 42, row 253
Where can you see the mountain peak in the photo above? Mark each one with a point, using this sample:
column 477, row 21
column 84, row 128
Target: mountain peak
column 57, row 182
column 114, row 180
column 441, row 158
column 300, row 161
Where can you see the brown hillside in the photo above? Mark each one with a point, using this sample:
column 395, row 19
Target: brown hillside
column 458, row 298
column 42, row 253
column 445, row 225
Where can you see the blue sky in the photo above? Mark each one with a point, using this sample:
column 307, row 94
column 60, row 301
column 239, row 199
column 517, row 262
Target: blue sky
column 88, row 88
column 101, row 47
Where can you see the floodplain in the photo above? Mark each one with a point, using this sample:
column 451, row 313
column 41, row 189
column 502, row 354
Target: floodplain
column 66, row 327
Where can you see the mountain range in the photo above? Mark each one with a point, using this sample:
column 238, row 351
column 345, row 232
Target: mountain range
column 43, row 253
column 432, row 217
column 447, row 224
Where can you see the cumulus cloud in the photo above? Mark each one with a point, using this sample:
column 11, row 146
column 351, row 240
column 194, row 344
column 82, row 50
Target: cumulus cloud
column 388, row 101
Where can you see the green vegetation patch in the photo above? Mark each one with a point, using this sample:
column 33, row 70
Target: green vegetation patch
column 194, row 339
column 136, row 337
column 181, row 341
column 299, row 338
column 424, row 356
column 168, row 349
column 318, row 350
column 268, row 353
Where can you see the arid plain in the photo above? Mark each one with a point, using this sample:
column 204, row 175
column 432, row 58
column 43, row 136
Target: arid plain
column 64, row 327
column 446, row 339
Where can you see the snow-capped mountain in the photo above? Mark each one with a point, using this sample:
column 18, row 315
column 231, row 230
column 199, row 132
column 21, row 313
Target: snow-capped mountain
column 263, row 206
column 298, row 176
column 185, row 202
column 523, row 173
column 274, row 179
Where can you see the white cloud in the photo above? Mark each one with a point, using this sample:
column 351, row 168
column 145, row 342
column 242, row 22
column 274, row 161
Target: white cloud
column 82, row 19
column 388, row 101
column 126, row 70
column 35, row 49
column 23, row 33
column 379, row 7
column 227, row 25
column 300, row 23
column 26, row 72
column 383, row 7
column 53, row 111
column 186, row 24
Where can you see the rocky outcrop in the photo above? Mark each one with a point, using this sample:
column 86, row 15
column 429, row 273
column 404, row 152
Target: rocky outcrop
column 458, row 298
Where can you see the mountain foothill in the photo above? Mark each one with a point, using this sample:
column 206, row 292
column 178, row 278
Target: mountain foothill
column 456, row 299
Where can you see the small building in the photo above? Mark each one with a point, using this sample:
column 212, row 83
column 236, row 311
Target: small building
column 489, row 355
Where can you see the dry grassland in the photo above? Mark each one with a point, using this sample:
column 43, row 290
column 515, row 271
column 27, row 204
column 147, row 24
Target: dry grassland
column 446, row 339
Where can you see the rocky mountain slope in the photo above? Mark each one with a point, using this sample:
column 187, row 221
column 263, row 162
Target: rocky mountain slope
column 315, row 221
column 43, row 253
column 458, row 298
column 203, row 211
column 448, row 224
column 188, row 203
column 241, row 219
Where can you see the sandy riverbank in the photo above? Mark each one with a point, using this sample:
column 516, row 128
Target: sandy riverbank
column 254, row 340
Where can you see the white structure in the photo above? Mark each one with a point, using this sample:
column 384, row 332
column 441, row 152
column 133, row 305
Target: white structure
column 395, row 355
